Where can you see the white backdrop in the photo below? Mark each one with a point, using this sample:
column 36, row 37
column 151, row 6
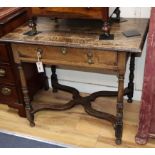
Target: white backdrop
column 91, row 82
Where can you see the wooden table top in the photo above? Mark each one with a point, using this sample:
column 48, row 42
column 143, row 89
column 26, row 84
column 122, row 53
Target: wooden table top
column 82, row 34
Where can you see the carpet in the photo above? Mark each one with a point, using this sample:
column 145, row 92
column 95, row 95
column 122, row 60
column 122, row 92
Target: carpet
column 12, row 140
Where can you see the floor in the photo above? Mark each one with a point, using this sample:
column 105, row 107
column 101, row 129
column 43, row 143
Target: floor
column 74, row 127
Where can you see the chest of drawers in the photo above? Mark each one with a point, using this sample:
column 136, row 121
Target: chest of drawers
column 10, row 87
column 10, row 18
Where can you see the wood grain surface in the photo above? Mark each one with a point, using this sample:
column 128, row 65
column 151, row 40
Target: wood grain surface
column 73, row 57
column 82, row 34
column 74, row 127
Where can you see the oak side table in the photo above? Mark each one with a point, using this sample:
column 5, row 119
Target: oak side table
column 75, row 43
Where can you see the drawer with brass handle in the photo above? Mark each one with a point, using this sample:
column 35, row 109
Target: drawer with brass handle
column 8, row 94
column 6, row 74
column 6, row 91
column 66, row 55
column 10, row 89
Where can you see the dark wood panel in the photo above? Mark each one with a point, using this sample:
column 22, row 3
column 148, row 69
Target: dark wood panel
column 72, row 12
column 34, row 79
column 6, row 12
column 8, row 94
column 6, row 74
column 13, row 23
column 4, row 57
column 12, row 98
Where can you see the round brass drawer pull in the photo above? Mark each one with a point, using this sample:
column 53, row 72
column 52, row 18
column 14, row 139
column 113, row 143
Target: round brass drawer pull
column 6, row 91
column 90, row 61
column 63, row 51
column 2, row 72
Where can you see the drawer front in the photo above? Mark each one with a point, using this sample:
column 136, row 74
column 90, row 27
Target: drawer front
column 6, row 74
column 66, row 56
column 3, row 53
column 79, row 12
column 8, row 94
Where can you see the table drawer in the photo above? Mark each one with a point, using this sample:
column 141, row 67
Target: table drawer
column 8, row 94
column 3, row 53
column 6, row 74
column 66, row 56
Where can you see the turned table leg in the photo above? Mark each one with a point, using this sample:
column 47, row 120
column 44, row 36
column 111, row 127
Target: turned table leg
column 46, row 84
column 130, row 87
column 28, row 107
column 54, row 79
column 119, row 113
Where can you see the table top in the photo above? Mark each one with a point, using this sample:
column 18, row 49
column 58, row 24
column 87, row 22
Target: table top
column 82, row 34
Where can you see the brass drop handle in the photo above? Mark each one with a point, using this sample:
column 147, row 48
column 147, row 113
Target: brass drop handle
column 2, row 72
column 6, row 91
column 63, row 51
column 39, row 53
column 90, row 57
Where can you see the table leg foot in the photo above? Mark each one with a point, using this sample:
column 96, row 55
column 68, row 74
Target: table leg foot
column 29, row 116
column 118, row 141
column 32, row 124
column 119, row 128
column 129, row 100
